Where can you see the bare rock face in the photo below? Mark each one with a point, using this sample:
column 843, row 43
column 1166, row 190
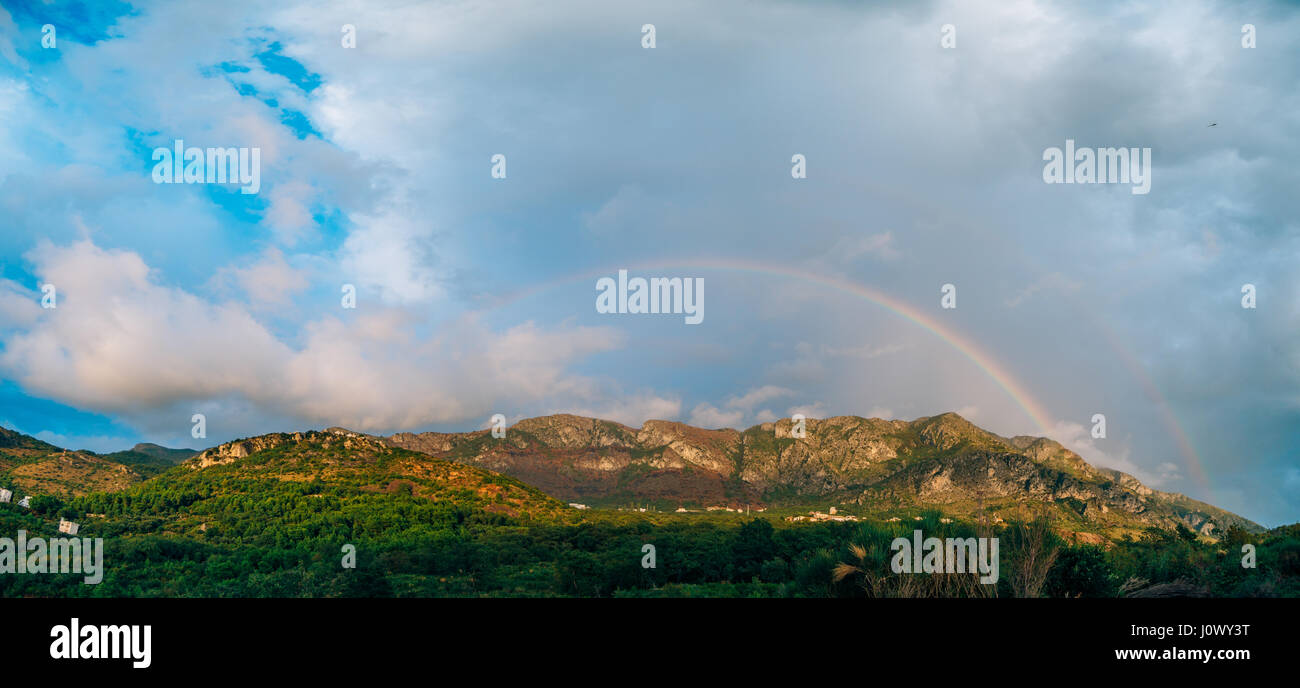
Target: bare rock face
column 238, row 449
column 565, row 431
column 428, row 442
column 1127, row 481
column 711, row 450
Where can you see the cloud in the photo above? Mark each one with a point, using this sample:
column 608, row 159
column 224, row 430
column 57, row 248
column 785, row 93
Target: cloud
column 102, row 444
column 289, row 214
column 817, row 409
column 631, row 410
column 390, row 254
column 19, row 307
column 866, row 351
column 880, row 412
column 709, row 416
column 9, row 31
column 1051, row 282
column 271, row 280
column 737, row 408
column 879, row 245
column 1078, row 439
column 756, row 396
column 1086, row 298
column 121, row 343
column 1167, row 472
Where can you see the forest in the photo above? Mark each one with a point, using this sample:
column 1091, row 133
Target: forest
column 219, row 534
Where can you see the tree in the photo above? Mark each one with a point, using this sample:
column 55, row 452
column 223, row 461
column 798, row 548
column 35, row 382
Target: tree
column 1033, row 548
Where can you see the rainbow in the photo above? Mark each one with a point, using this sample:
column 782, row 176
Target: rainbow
column 995, row 371
column 1033, row 410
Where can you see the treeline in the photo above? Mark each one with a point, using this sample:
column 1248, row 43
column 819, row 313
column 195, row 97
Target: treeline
column 286, row 539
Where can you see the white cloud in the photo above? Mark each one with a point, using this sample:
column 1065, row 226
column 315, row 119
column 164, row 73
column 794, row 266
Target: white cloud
column 709, row 416
column 289, row 214
column 756, row 396
column 632, row 410
column 816, row 409
column 270, row 280
column 19, row 307
column 737, row 408
column 881, row 412
column 1078, row 439
column 119, row 342
column 391, row 253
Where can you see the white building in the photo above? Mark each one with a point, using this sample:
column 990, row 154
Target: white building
column 68, row 527
column 5, row 496
column 25, row 502
column 582, row 506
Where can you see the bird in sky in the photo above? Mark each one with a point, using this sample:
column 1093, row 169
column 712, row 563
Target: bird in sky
column 1213, row 124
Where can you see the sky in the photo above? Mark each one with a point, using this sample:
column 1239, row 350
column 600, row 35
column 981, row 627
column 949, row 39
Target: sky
column 923, row 128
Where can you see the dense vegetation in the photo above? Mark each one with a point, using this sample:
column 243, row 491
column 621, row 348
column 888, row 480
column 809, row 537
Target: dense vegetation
column 222, row 532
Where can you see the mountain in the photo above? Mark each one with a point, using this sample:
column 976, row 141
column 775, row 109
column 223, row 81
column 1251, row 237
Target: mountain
column 883, row 468
column 15, row 446
column 350, row 465
column 150, row 459
column 34, row 467
column 888, row 467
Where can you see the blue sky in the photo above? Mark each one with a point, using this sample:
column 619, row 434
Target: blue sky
column 476, row 295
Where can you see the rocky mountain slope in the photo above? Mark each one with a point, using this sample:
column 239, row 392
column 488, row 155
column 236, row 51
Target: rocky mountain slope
column 883, row 466
column 886, row 468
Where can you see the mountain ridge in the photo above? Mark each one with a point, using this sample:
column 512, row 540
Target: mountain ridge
column 889, row 468
column 38, row 467
column 943, row 460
